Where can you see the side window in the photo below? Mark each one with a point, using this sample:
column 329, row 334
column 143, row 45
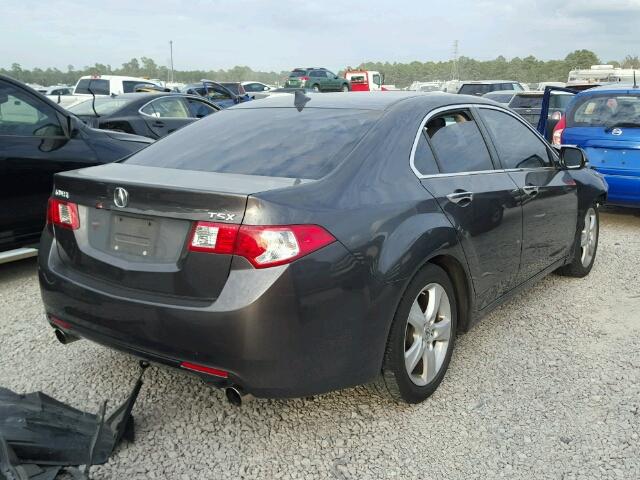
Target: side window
column 129, row 85
column 22, row 115
column 253, row 87
column 423, row 160
column 457, row 143
column 505, row 86
column 316, row 73
column 198, row 109
column 329, row 74
column 376, row 79
column 516, row 144
column 166, row 107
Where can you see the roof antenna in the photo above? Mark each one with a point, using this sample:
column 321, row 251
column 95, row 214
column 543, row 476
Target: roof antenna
column 635, row 84
column 300, row 100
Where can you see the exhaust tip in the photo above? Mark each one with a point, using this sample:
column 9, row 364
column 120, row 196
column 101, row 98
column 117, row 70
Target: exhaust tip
column 63, row 338
column 233, row 396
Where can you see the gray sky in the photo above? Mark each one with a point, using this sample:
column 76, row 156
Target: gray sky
column 279, row 35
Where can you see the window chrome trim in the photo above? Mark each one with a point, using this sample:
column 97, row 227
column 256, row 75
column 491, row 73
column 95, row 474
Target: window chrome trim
column 463, row 106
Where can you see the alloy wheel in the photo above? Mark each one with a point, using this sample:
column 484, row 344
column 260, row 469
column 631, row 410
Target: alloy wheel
column 589, row 237
column 427, row 334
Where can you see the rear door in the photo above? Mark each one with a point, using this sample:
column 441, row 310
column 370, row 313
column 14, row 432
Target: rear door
column 33, row 146
column 166, row 115
column 549, row 195
column 481, row 201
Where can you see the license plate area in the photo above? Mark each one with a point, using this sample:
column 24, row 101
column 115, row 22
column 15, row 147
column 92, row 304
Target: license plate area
column 133, row 235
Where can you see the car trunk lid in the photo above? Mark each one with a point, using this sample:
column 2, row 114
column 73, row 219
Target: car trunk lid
column 136, row 223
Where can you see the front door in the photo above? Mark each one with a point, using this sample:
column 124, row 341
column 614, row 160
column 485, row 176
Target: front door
column 33, row 147
column 481, row 202
column 549, row 195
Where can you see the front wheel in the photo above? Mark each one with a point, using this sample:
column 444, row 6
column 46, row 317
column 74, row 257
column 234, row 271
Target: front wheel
column 422, row 336
column 586, row 245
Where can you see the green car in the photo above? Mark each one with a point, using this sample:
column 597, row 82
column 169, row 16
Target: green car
column 318, row 80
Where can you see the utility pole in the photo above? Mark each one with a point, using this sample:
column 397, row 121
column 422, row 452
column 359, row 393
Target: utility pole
column 171, row 53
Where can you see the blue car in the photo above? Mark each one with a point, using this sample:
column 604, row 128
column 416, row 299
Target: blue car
column 605, row 122
column 221, row 95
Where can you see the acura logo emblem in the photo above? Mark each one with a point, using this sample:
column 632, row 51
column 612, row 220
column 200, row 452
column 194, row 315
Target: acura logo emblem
column 120, row 197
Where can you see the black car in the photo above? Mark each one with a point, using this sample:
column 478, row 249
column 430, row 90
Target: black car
column 38, row 139
column 340, row 238
column 151, row 115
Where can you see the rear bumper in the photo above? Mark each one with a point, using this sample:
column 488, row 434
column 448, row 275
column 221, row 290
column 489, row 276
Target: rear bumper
column 313, row 326
column 623, row 189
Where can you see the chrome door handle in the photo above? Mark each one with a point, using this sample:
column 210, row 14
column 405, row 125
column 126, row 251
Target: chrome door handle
column 461, row 198
column 531, row 190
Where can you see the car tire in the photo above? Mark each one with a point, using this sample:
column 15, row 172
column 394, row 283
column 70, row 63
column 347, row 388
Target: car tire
column 586, row 245
column 345, row 87
column 420, row 342
column 315, row 88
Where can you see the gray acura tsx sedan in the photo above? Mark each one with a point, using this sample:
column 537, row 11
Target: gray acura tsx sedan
column 306, row 243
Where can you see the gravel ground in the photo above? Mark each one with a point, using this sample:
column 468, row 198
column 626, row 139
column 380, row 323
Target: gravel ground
column 548, row 386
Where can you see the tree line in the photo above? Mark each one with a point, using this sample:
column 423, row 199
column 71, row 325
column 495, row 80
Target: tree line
column 528, row 69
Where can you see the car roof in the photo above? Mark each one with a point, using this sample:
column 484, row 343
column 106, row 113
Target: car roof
column 612, row 87
column 363, row 100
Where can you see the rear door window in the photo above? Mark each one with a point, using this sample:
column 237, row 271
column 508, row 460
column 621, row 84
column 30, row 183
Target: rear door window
column 423, row 159
column 526, row 101
column 457, row 143
column 517, row 146
column 282, row 142
column 199, row 109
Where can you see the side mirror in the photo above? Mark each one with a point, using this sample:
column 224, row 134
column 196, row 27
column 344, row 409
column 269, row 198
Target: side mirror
column 335, row 77
column 572, row 158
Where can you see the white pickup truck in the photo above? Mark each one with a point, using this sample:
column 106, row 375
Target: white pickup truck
column 100, row 85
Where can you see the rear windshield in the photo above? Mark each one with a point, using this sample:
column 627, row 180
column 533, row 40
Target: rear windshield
column 98, row 86
column 605, row 109
column 560, row 102
column 104, row 106
column 298, row 73
column 526, row 101
column 272, row 142
column 476, row 88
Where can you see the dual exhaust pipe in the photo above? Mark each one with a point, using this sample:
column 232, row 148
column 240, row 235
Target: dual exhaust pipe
column 235, row 395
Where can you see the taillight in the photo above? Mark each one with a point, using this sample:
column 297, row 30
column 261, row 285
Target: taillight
column 263, row 246
column 304, row 78
column 63, row 214
column 556, row 138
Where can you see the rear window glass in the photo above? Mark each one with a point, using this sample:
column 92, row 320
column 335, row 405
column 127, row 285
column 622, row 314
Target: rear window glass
column 281, row 142
column 129, row 86
column 98, row 86
column 526, row 101
column 298, row 73
column 104, row 106
column 604, row 110
column 476, row 89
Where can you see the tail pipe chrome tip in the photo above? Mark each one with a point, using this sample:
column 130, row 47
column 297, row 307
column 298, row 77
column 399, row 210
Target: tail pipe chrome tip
column 236, row 396
column 64, row 338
